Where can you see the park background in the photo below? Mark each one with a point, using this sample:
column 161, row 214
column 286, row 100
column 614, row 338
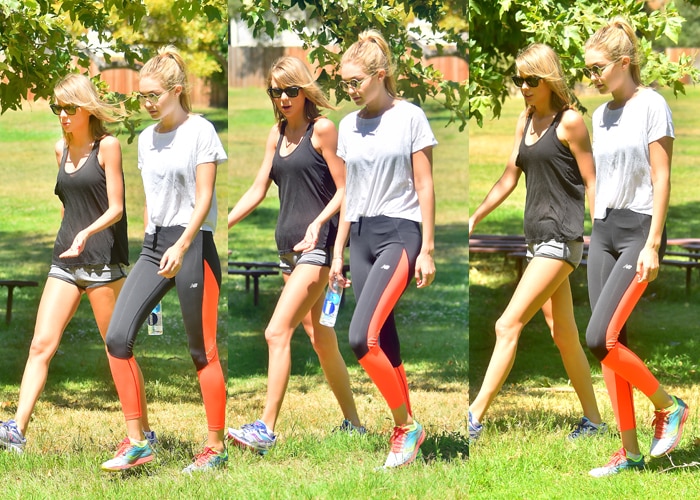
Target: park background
column 523, row 452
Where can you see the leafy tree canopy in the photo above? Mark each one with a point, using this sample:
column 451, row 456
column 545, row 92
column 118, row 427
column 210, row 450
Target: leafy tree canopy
column 323, row 24
column 39, row 39
column 499, row 30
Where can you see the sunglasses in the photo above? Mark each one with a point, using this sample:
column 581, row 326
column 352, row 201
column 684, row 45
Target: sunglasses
column 70, row 109
column 276, row 92
column 353, row 84
column 151, row 98
column 532, row 81
column 596, row 71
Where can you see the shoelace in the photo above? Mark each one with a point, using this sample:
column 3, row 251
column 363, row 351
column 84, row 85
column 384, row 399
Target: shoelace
column 397, row 439
column 203, row 457
column 659, row 422
column 123, row 446
column 618, row 458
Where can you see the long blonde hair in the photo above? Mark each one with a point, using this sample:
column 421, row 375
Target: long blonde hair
column 290, row 71
column 78, row 90
column 616, row 40
column 170, row 70
column 372, row 53
column 541, row 61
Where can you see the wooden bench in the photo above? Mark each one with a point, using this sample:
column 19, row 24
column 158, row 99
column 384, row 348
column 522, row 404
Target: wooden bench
column 11, row 285
column 253, row 270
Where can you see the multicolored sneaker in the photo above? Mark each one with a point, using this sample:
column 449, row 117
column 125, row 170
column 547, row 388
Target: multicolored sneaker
column 255, row 436
column 11, row 438
column 208, row 459
column 349, row 428
column 405, row 445
column 474, row 428
column 151, row 438
column 618, row 463
column 668, row 428
column 586, row 428
column 129, row 454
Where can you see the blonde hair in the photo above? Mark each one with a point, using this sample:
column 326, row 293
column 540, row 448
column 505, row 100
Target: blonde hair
column 78, row 90
column 372, row 53
column 290, row 71
column 616, row 40
column 541, row 61
column 170, row 70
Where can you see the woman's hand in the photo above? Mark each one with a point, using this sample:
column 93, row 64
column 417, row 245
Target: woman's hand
column 310, row 239
column 425, row 270
column 171, row 263
column 77, row 247
column 648, row 264
column 336, row 272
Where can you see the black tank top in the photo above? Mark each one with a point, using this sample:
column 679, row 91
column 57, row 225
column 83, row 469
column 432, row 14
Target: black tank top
column 305, row 188
column 554, row 202
column 84, row 197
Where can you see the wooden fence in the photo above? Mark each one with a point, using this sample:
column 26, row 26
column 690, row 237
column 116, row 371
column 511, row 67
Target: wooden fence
column 248, row 66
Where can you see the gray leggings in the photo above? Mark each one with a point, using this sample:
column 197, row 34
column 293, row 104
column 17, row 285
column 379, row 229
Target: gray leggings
column 198, row 283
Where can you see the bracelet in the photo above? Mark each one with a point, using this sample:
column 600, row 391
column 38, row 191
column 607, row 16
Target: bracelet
column 337, row 258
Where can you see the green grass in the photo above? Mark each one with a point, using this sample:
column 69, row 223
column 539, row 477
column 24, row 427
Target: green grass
column 78, row 422
column 523, row 453
column 432, row 325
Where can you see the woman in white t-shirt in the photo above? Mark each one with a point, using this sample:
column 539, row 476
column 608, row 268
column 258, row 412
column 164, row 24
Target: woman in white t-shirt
column 632, row 148
column 178, row 158
column 387, row 148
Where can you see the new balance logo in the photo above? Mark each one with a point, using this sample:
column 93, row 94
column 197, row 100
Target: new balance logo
column 627, row 266
column 386, row 267
column 194, row 285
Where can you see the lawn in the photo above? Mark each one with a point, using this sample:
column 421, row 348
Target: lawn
column 523, row 452
column 78, row 422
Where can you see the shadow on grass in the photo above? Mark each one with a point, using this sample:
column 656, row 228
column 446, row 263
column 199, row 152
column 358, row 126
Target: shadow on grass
column 445, row 447
column 432, row 322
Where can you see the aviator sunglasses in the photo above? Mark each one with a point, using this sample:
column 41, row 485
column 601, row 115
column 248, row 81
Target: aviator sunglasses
column 595, row 70
column 532, row 81
column 69, row 109
column 276, row 92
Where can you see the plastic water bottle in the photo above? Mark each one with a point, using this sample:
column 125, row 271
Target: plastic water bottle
column 155, row 321
column 331, row 304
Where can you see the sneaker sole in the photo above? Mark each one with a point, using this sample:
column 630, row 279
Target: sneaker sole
column 140, row 461
column 247, row 446
column 686, row 412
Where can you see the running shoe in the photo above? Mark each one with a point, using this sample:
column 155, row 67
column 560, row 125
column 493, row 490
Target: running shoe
column 405, row 445
column 474, row 428
column 618, row 463
column 255, row 436
column 349, row 428
column 586, row 428
column 207, row 460
column 11, row 438
column 129, row 454
column 668, row 428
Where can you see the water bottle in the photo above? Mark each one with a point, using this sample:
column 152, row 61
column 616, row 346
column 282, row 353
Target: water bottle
column 331, row 304
column 155, row 321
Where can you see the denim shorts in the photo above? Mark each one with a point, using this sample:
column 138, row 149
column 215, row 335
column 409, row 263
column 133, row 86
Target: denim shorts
column 568, row 251
column 88, row 276
column 316, row 257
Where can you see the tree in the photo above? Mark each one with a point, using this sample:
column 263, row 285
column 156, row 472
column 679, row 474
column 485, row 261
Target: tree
column 40, row 38
column 499, row 30
column 324, row 24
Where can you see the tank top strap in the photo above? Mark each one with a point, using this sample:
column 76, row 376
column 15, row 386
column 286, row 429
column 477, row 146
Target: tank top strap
column 557, row 119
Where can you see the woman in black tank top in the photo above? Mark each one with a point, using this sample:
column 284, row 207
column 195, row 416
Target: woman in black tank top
column 91, row 245
column 300, row 157
column 552, row 147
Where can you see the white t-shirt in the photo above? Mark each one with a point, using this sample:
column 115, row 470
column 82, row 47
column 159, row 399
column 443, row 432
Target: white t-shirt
column 621, row 139
column 168, row 164
column 377, row 153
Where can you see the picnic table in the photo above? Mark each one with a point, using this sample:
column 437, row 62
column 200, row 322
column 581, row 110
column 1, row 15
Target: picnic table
column 11, row 285
column 254, row 270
